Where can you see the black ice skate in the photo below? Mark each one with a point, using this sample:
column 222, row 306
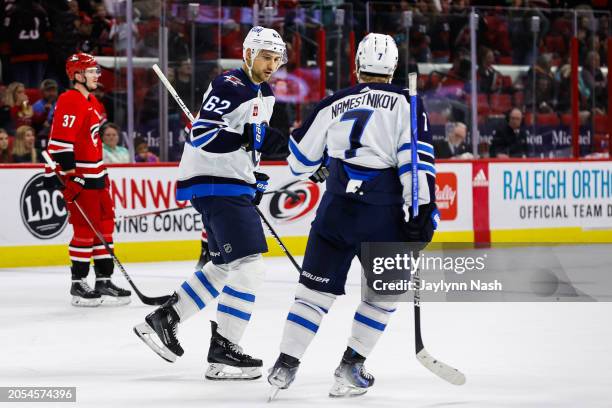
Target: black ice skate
column 225, row 354
column 282, row 374
column 351, row 378
column 112, row 295
column 159, row 331
column 83, row 294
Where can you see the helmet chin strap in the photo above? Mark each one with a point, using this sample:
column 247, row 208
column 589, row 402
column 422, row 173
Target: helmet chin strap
column 84, row 83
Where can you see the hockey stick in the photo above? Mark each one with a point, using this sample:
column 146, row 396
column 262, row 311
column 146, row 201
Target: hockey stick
column 182, row 105
column 145, row 299
column 294, row 197
column 173, row 92
column 278, row 240
column 442, row 370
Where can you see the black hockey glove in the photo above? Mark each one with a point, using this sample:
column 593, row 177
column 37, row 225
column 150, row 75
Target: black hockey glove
column 421, row 228
column 261, row 185
column 320, row 175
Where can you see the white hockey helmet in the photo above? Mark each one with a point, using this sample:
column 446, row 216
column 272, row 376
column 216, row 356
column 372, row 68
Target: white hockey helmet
column 260, row 38
column 376, row 54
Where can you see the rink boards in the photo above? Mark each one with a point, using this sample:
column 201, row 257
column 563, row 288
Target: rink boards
column 482, row 201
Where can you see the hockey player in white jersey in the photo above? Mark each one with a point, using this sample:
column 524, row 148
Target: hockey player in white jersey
column 217, row 173
column 365, row 131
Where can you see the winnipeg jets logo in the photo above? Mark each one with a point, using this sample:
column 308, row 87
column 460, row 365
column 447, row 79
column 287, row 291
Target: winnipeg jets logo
column 255, row 110
column 233, row 80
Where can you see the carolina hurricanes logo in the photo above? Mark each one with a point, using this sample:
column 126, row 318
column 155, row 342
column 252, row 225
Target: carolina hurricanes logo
column 287, row 208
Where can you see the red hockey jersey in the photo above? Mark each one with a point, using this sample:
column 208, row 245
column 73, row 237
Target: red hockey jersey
column 75, row 142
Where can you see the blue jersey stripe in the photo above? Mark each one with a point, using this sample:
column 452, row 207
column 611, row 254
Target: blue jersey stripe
column 370, row 322
column 202, row 190
column 300, row 157
column 200, row 140
column 209, row 287
column 234, row 312
column 292, row 317
column 193, row 295
column 240, row 295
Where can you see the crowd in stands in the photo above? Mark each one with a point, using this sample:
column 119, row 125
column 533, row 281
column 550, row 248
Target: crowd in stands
column 37, row 36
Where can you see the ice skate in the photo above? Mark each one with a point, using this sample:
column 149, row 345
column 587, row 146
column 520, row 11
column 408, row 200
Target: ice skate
column 228, row 362
column 112, row 295
column 351, row 378
column 83, row 295
column 159, row 331
column 282, row 374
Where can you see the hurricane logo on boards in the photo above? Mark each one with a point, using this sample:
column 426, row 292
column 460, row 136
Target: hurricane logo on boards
column 291, row 207
column 43, row 211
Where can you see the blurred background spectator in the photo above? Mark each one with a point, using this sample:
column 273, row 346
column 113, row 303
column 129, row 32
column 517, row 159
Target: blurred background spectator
column 27, row 30
column 539, row 95
column 453, row 147
column 510, row 140
column 42, row 109
column 143, row 155
column 594, row 84
column 113, row 152
column 21, row 112
column 5, row 148
column 24, row 149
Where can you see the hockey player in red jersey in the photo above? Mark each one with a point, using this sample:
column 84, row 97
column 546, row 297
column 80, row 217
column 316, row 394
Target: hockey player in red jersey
column 76, row 147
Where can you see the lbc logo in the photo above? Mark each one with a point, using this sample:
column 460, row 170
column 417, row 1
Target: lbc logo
column 43, row 211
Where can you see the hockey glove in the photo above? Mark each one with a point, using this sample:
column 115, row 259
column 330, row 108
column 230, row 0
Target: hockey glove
column 320, row 175
column 73, row 188
column 254, row 135
column 261, row 185
column 421, row 228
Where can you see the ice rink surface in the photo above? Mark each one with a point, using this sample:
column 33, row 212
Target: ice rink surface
column 513, row 354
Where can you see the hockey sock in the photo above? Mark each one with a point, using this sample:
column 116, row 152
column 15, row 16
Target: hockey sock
column 80, row 248
column 238, row 296
column 304, row 319
column 203, row 287
column 103, row 267
column 369, row 322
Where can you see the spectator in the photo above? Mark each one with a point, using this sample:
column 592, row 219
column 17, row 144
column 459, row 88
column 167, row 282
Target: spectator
column 143, row 155
column 5, row 109
column 27, row 27
column 120, row 30
column 488, row 77
column 540, row 99
column 511, row 139
column 5, row 148
column 100, row 31
column 182, row 84
column 20, row 109
column 24, row 150
column 453, row 147
column 594, row 83
column 42, row 107
column 65, row 38
column 113, row 153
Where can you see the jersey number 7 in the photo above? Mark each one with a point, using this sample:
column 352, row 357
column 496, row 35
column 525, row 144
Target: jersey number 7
column 360, row 118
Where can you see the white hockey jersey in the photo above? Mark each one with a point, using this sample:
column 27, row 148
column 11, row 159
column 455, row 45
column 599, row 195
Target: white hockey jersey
column 366, row 127
column 213, row 161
